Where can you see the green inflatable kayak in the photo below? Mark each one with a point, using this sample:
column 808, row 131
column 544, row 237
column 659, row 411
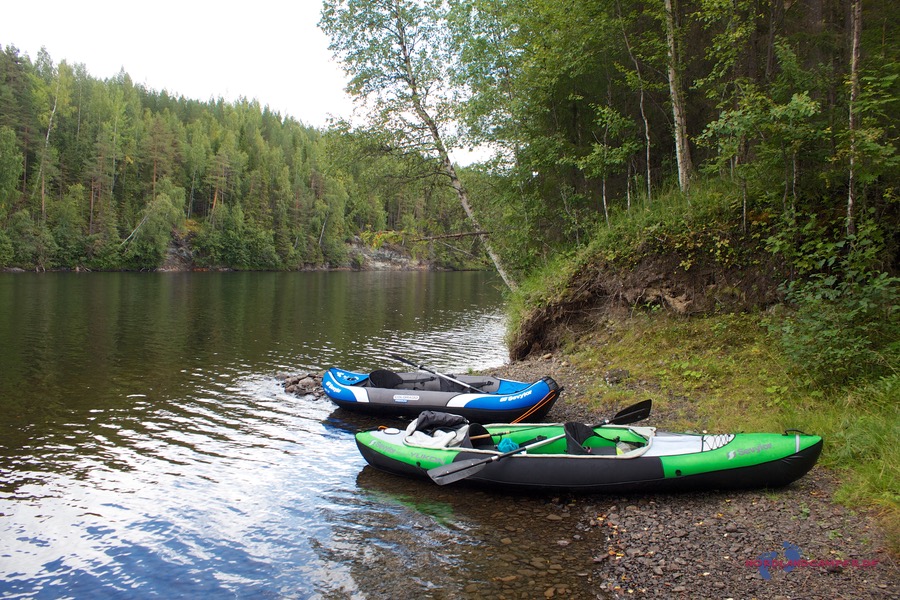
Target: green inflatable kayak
column 612, row 457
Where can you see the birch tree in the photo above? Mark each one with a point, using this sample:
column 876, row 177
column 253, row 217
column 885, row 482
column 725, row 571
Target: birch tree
column 676, row 90
column 395, row 52
column 855, row 35
column 54, row 92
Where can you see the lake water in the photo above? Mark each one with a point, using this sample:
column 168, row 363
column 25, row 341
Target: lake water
column 148, row 450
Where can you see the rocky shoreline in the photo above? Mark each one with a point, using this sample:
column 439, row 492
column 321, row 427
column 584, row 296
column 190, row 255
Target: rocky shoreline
column 790, row 543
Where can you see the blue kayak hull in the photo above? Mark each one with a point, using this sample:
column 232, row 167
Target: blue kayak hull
column 494, row 399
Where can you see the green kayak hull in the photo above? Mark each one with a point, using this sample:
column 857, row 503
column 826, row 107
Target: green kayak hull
column 651, row 460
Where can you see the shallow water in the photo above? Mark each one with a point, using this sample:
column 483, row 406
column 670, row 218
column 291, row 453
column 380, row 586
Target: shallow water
column 148, row 449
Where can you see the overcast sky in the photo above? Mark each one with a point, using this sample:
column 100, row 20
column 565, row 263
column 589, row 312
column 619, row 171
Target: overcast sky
column 270, row 50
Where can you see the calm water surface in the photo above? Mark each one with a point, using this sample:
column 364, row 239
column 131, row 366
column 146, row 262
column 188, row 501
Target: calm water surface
column 147, row 449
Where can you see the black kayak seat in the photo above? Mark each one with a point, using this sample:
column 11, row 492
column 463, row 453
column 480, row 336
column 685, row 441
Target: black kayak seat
column 482, row 437
column 582, row 439
column 430, row 421
column 383, row 378
column 452, row 386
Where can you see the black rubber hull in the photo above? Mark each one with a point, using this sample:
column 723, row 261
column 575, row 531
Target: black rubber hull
column 475, row 415
column 642, row 474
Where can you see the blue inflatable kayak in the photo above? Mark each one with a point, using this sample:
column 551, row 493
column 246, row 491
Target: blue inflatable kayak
column 478, row 398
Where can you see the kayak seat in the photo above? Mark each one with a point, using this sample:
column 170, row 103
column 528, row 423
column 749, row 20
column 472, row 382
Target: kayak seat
column 450, row 386
column 382, row 378
column 432, row 429
column 582, row 439
column 482, row 437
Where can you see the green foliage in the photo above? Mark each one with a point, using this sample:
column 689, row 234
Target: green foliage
column 868, row 426
column 67, row 227
column 6, row 250
column 873, row 144
column 615, row 147
column 104, row 247
column 33, row 244
column 776, row 132
column 846, row 323
column 10, row 168
column 702, row 230
column 861, row 427
column 728, row 374
column 145, row 248
column 121, row 158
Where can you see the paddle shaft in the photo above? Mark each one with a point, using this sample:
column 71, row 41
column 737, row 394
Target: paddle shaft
column 460, row 470
column 433, row 372
column 632, row 414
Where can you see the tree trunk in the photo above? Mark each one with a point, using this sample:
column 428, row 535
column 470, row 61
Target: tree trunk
column 91, row 209
column 41, row 169
column 856, row 27
column 682, row 149
column 464, row 200
column 447, row 165
column 637, row 70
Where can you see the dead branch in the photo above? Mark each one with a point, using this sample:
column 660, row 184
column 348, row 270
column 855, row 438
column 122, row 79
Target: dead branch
column 450, row 235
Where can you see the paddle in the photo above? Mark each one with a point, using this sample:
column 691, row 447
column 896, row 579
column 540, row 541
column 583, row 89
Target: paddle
column 632, row 414
column 466, row 468
column 441, row 375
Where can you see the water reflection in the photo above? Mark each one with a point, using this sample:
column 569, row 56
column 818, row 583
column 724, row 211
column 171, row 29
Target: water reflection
column 184, row 501
column 459, row 542
column 149, row 451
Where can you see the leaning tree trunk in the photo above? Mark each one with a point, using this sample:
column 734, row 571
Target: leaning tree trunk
column 446, row 164
column 464, row 200
column 461, row 192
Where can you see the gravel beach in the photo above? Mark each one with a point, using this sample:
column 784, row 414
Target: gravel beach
column 790, row 543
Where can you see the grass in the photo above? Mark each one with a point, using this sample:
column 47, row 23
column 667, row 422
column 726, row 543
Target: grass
column 725, row 373
column 728, row 371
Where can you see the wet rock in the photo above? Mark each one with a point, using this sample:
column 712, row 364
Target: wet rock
column 302, row 384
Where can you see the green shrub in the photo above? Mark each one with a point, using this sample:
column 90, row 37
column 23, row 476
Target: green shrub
column 846, row 323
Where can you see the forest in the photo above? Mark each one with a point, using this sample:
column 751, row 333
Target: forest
column 691, row 156
column 109, row 175
column 778, row 114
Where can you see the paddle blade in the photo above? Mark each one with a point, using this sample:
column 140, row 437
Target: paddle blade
column 466, row 468
column 632, row 414
column 457, row 470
